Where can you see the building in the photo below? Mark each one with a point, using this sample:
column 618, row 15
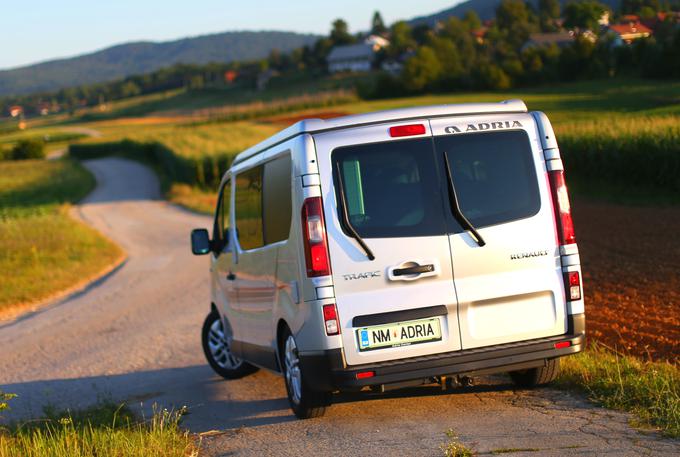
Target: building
column 358, row 57
column 629, row 32
column 16, row 110
column 560, row 39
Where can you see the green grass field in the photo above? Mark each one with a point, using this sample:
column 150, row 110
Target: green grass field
column 624, row 122
column 37, row 237
column 103, row 430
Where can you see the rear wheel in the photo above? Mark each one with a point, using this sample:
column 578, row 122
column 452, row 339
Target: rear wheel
column 305, row 402
column 534, row 377
column 217, row 349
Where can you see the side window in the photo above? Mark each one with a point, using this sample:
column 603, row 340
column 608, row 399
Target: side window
column 248, row 208
column 222, row 215
column 277, row 204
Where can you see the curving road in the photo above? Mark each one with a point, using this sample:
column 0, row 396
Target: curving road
column 134, row 336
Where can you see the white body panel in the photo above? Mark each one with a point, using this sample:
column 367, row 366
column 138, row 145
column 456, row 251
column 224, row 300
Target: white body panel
column 502, row 299
column 490, row 296
column 380, row 294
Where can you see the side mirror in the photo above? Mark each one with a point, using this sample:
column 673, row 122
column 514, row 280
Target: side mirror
column 200, row 242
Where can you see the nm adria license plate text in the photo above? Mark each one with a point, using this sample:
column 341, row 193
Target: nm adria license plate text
column 399, row 334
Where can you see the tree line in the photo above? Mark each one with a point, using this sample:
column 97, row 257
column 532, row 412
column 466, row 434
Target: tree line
column 457, row 54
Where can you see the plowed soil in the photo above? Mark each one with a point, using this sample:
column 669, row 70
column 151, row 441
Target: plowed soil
column 631, row 260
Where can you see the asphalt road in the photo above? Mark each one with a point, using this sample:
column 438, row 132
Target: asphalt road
column 134, row 336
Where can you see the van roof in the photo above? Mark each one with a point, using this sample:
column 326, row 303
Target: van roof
column 401, row 114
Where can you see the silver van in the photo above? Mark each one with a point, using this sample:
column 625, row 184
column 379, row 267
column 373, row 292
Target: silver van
column 395, row 248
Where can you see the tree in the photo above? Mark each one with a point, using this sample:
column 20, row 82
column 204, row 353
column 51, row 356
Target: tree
column 448, row 55
column 454, row 30
column 511, row 13
column 471, row 20
column 377, row 24
column 340, row 33
column 635, row 6
column 422, row 69
column 583, row 15
column 515, row 21
column 548, row 13
column 401, row 39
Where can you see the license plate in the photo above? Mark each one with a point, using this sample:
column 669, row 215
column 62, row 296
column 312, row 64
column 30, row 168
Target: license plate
column 399, row 334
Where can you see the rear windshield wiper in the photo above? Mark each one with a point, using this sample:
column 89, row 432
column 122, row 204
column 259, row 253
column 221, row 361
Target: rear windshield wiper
column 345, row 216
column 460, row 217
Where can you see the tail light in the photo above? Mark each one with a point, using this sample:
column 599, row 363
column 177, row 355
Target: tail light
column 314, row 233
column 565, row 225
column 572, row 285
column 407, row 130
column 330, row 319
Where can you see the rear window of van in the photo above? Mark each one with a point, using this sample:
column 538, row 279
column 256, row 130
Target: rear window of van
column 391, row 189
column 400, row 188
column 494, row 175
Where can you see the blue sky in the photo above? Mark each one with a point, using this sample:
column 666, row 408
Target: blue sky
column 38, row 30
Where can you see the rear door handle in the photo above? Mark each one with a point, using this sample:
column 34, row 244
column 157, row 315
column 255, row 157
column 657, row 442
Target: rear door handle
column 413, row 270
column 410, row 270
column 231, row 277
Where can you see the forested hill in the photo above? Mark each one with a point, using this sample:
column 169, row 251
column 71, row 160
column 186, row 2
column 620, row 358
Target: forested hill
column 485, row 9
column 143, row 57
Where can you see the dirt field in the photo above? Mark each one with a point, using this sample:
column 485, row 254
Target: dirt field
column 630, row 258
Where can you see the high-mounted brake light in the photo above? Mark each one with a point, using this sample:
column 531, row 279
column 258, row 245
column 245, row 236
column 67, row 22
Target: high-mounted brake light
column 330, row 319
column 407, row 130
column 560, row 195
column 572, row 285
column 314, row 234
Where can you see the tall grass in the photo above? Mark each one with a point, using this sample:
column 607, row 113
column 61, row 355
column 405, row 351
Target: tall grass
column 642, row 152
column 650, row 390
column 104, row 430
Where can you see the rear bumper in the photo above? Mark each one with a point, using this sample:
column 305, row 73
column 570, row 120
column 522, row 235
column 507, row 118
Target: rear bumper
column 327, row 371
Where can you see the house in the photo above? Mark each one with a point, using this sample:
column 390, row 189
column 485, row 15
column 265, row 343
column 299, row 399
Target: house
column 629, row 32
column 355, row 57
column 479, row 34
column 230, row 76
column 16, row 110
column 44, row 108
column 538, row 40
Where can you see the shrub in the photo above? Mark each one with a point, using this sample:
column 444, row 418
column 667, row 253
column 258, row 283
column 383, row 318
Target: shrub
column 4, row 398
column 28, row 149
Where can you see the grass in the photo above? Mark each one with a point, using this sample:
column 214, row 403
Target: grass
column 453, row 447
column 104, row 430
column 193, row 198
column 37, row 237
column 650, row 390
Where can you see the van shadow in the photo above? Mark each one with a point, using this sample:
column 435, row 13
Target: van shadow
column 213, row 403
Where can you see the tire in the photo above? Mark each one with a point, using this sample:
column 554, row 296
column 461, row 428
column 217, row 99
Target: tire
column 535, row 377
column 216, row 347
column 304, row 401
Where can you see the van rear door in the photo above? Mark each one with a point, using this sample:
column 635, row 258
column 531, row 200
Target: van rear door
column 403, row 303
column 511, row 288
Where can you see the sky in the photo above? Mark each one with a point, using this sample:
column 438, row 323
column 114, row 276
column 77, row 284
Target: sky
column 38, row 30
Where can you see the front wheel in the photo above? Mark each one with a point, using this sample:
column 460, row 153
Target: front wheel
column 534, row 377
column 305, row 402
column 217, row 349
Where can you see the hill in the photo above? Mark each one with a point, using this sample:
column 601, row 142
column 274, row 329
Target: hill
column 143, row 57
column 485, row 9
